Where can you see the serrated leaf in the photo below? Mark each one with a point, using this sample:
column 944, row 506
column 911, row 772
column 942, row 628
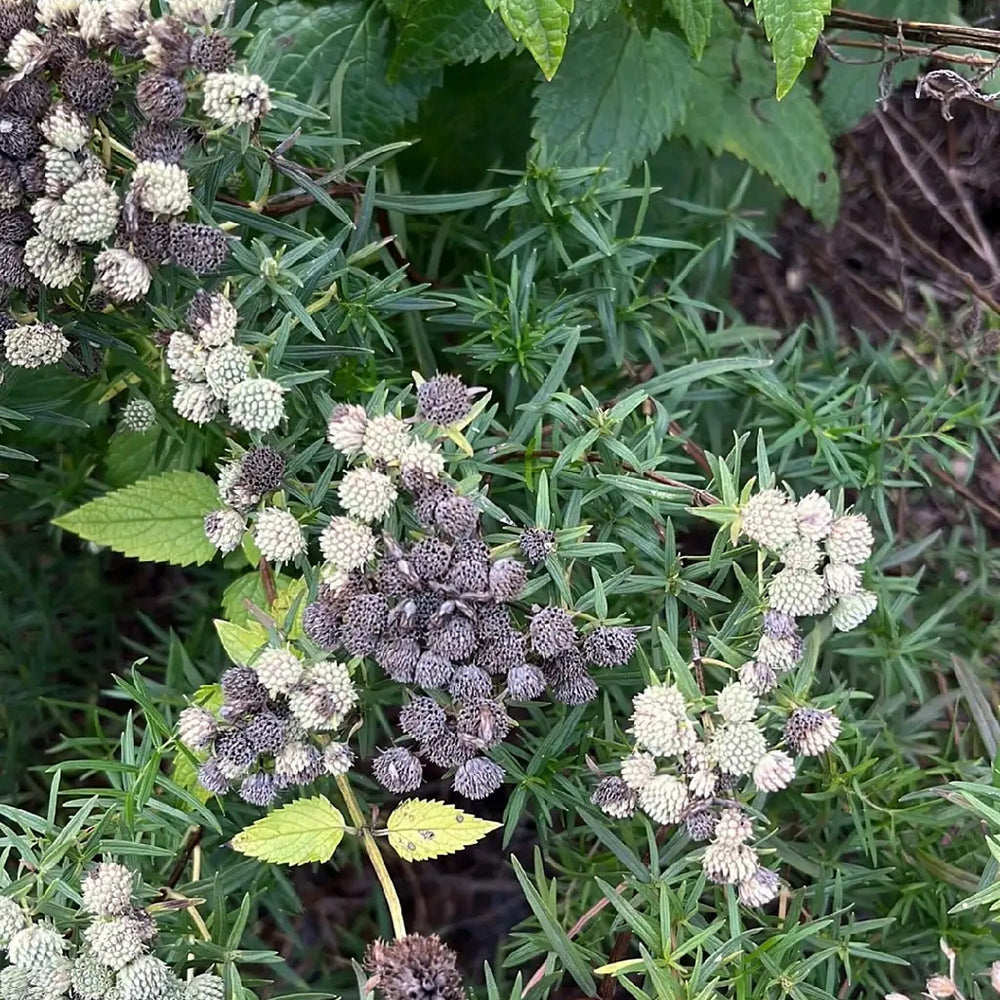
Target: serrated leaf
column 435, row 33
column 155, row 520
column 303, row 831
column 240, row 641
column 542, row 26
column 349, row 38
column 420, row 829
column 615, row 97
column 792, row 27
column 731, row 111
column 695, row 19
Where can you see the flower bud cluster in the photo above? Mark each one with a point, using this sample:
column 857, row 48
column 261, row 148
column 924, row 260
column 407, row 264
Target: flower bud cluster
column 213, row 373
column 273, row 729
column 692, row 760
column 111, row 958
column 68, row 220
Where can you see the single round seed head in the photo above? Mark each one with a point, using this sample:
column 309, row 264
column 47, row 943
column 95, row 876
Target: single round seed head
column 53, row 264
column 609, row 646
column 552, row 632
column 207, row 986
column 241, row 687
column 443, row 400
column 278, row 535
column 773, row 771
column 385, row 438
column 90, row 980
column 225, row 529
column 160, row 142
column 638, row 770
column 19, row 136
column 144, row 978
column 398, row 770
column 266, row 732
column 34, row 346
column 456, row 516
column 453, row 636
column 338, row 758
column 89, row 85
column 262, row 470
column 778, row 625
column 660, row 723
column 760, row 888
column 234, row 754
column 525, row 682
column 729, row 863
column 415, row 967
column 663, row 798
column 737, row 703
column 347, row 543
column 366, row 495
column 279, row 670
column 852, row 609
column 614, row 798
column 814, row 516
column 797, row 592
column 235, row 98
column 346, row 428
column 758, row 677
column 366, row 616
column 770, row 520
column 447, row 750
column 419, row 463
column 320, row 623
column 477, row 778
column 65, row 128
column 701, row 825
column 12, row 919
column 299, row 763
column 850, row 540
column 226, row 367
column 258, row 789
column 811, row 731
column 467, row 576
column 483, row 720
column 802, row 554
column 196, row 727
column 200, row 248
column 212, row 52
column 138, row 415
column 736, row 747
column 434, row 671
column 430, row 558
column 575, row 690
column 507, row 580
column 116, row 942
column 125, row 277
column 161, row 98
column 779, row 655
column 423, row 719
column 211, row 778
column 258, row 404
column 160, row 188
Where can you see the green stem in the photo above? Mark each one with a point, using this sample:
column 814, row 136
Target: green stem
column 375, row 856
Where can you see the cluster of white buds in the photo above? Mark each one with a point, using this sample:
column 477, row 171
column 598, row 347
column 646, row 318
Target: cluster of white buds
column 110, row 961
column 213, row 373
column 691, row 761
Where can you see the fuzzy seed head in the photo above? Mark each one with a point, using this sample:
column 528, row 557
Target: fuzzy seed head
column 12, row 919
column 770, row 520
column 138, row 415
column 852, row 609
column 258, row 404
column 194, row 401
column 536, row 544
column 478, row 778
column 196, row 727
column 797, row 592
column 212, row 318
column 197, row 246
column 814, row 516
column 638, row 770
column 211, row 778
column 347, row 543
column 811, row 731
column 122, row 275
column 575, row 689
column 366, row 495
column 161, row 188
column 615, row 798
column 338, row 758
column 423, row 718
column 35, row 345
column 443, row 400
column 259, row 789
column 385, row 439
column 346, row 428
column 90, row 980
column 737, row 703
column 737, row 747
column 609, row 646
column 143, row 979
column 435, row 671
column 235, row 98
column 850, row 540
column 116, row 942
column 760, row 888
column 778, row 655
column 107, row 890
column 552, row 632
column 773, row 771
column 726, row 863
column 53, row 264
column 279, row 670
column 663, row 798
column 659, row 721
column 420, row 460
column 453, row 637
column 91, row 211
column 398, row 770
column 701, row 825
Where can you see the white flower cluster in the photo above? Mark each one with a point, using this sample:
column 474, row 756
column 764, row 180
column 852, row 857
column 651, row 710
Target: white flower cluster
column 214, row 373
column 110, row 962
column 383, row 452
column 689, row 759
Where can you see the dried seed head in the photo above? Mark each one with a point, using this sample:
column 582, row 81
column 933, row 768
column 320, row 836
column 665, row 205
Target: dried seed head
column 609, row 646
column 234, row 754
column 258, row 789
column 398, row 770
column 773, row 771
column 423, row 719
column 266, row 732
column 298, row 764
column 456, row 516
column 398, row 658
column 430, row 558
column 320, row 623
column 89, row 85
column 477, row 778
column 615, row 798
column 443, row 399
column 161, row 98
column 160, row 142
column 701, row 825
column 338, row 758
column 415, row 967
column 778, row 655
column 552, row 632
column 212, row 52
column 199, row 247
column 242, row 689
column 760, row 888
column 469, row 682
column 453, row 637
column 483, row 720
column 211, row 778
column 525, row 682
column 507, row 579
column 435, row 671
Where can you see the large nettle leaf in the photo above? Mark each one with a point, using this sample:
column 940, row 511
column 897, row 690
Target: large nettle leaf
column 792, row 27
column 433, row 33
column 305, row 830
column 541, row 25
column 731, row 111
column 615, row 97
column 420, row 830
column 156, row 520
column 336, row 57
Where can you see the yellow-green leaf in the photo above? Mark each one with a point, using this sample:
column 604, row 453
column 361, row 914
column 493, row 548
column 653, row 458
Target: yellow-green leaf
column 290, row 591
column 792, row 27
column 240, row 641
column 542, row 26
column 420, row 830
column 303, row 831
